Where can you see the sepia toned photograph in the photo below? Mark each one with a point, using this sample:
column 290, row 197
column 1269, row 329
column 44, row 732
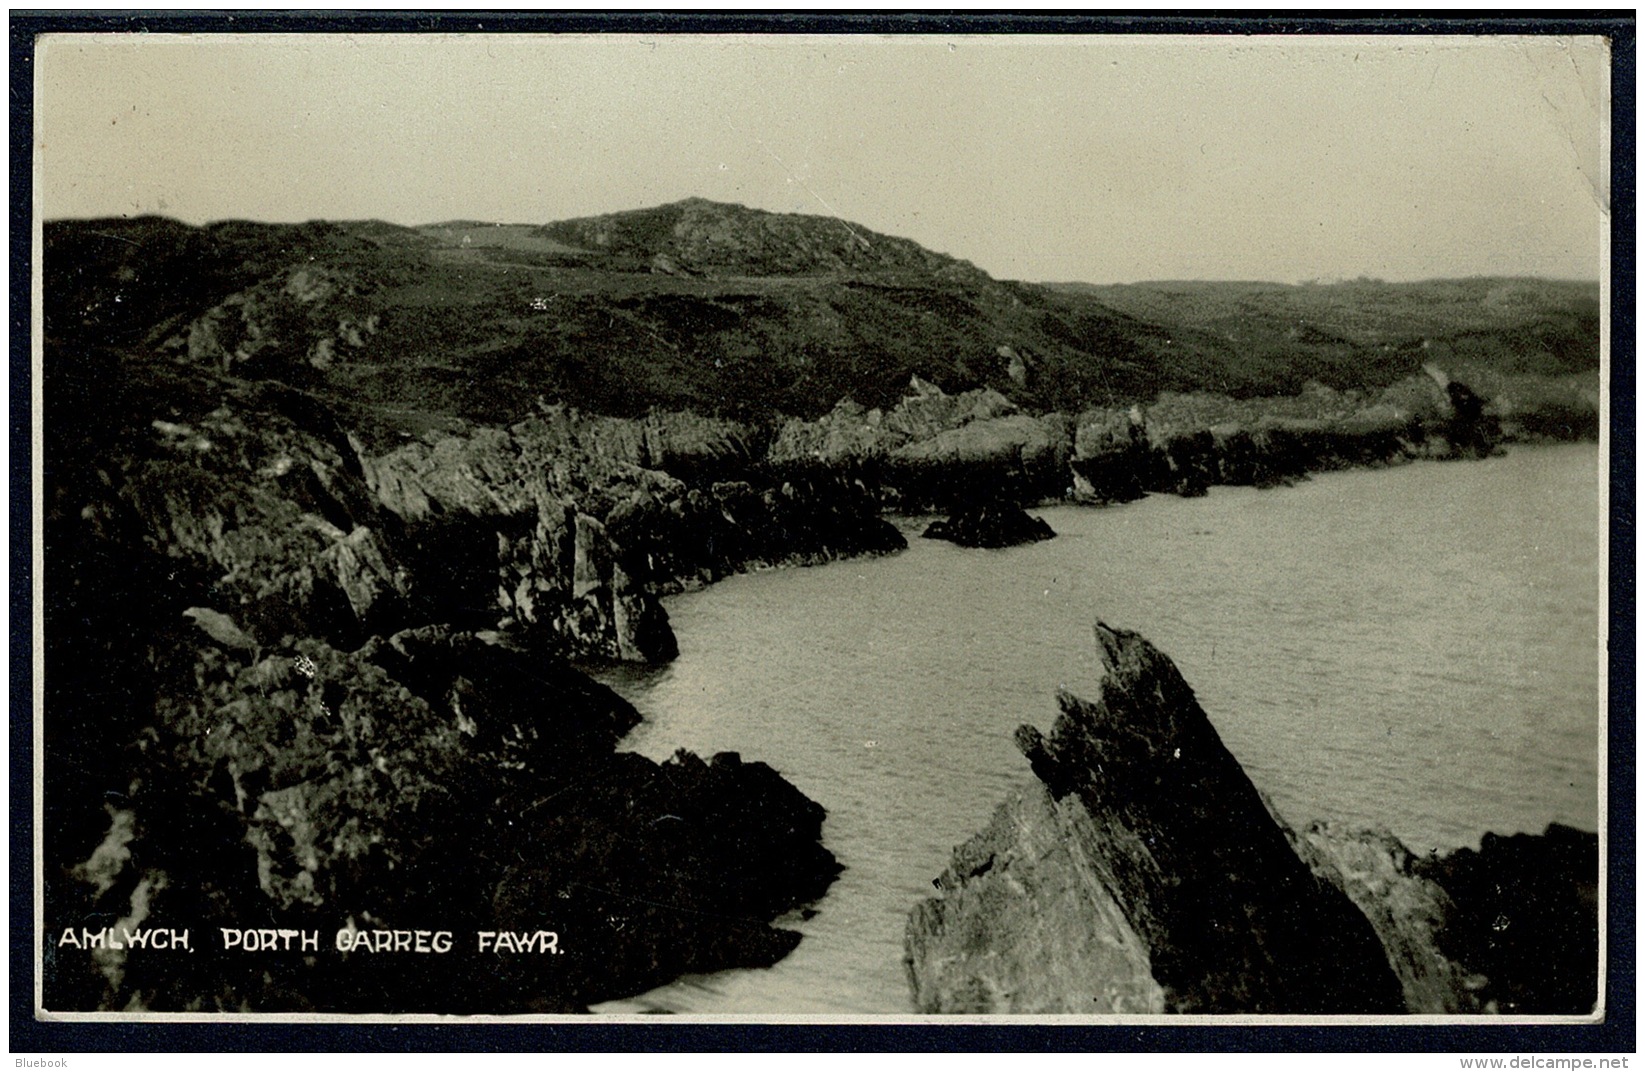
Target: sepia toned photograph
column 916, row 527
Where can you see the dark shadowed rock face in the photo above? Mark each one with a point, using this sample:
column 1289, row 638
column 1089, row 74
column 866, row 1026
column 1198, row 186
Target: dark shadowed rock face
column 1145, row 873
column 1527, row 918
column 274, row 701
column 1233, row 920
column 1408, row 911
column 1510, row 928
column 995, row 525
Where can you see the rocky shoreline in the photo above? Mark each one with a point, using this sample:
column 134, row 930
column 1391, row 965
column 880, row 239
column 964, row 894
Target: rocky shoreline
column 574, row 525
column 302, row 645
column 1143, row 873
column 273, row 702
column 333, row 511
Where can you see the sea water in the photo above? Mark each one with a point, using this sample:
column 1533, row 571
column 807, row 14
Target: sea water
column 1414, row 647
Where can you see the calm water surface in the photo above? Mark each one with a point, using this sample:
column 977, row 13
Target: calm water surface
column 1414, row 647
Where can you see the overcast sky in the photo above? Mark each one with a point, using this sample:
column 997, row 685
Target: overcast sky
column 1101, row 159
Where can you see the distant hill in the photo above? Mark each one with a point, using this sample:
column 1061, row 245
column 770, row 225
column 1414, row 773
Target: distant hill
column 1366, row 328
column 728, row 310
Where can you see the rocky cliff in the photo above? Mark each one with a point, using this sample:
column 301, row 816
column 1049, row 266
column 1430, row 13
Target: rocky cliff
column 273, row 701
column 720, row 344
column 1143, row 872
column 935, row 451
column 574, row 525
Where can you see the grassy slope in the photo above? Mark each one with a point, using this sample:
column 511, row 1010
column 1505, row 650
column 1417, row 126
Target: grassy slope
column 730, row 311
column 1365, row 333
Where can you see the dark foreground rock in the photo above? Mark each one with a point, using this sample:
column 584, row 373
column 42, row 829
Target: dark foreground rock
column 1144, row 873
column 1510, row 928
column 266, row 712
column 993, row 525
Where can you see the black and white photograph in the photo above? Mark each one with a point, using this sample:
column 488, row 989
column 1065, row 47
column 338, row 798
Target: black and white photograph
column 910, row 527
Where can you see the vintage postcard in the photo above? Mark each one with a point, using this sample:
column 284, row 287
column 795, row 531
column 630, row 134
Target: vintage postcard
column 821, row 527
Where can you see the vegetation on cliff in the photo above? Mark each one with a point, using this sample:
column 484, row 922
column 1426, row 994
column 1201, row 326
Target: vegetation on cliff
column 729, row 311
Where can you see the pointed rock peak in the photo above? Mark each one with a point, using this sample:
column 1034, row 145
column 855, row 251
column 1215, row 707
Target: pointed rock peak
column 919, row 388
column 1110, row 643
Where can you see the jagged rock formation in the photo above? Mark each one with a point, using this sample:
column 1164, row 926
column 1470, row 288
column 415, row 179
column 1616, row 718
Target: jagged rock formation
column 571, row 525
column 933, row 450
column 274, row 701
column 1185, row 444
column 990, row 525
column 1023, row 924
column 1144, row 873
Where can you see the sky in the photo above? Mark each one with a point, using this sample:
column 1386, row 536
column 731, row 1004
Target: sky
column 1100, row 159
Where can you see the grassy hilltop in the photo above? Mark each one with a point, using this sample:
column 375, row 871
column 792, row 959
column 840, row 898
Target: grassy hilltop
column 732, row 311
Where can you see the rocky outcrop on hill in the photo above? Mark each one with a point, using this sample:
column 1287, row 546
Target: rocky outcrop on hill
column 701, row 236
column 275, row 703
column 1144, row 873
column 309, row 316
